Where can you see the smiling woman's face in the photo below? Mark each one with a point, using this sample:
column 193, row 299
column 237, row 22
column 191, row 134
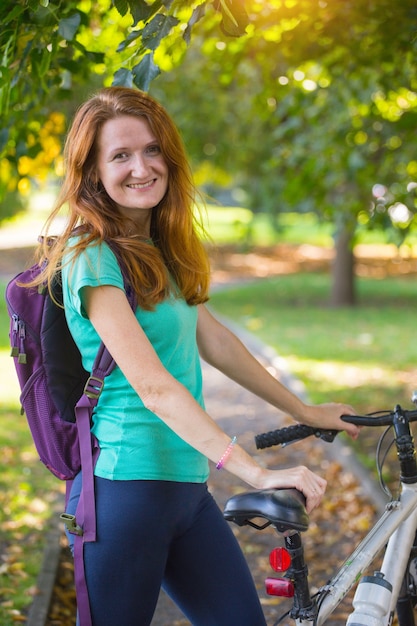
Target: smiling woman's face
column 130, row 166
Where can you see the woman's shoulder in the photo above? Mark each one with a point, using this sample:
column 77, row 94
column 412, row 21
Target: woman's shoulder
column 79, row 245
column 95, row 259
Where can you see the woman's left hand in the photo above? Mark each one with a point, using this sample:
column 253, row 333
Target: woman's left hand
column 327, row 416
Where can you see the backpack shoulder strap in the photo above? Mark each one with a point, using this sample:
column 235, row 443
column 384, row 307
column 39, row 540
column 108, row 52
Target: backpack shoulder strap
column 103, row 365
column 86, row 511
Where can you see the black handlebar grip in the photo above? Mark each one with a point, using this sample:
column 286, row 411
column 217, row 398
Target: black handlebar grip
column 284, row 435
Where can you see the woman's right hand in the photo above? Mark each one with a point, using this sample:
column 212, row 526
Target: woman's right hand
column 310, row 484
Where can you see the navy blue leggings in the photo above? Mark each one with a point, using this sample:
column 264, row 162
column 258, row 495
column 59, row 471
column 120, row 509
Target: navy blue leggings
column 159, row 533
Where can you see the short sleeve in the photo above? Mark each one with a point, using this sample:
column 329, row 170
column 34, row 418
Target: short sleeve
column 95, row 266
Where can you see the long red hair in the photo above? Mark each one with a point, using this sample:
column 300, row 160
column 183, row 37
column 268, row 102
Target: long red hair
column 175, row 227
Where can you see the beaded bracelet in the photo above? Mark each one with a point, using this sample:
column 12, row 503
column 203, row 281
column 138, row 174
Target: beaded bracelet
column 226, row 454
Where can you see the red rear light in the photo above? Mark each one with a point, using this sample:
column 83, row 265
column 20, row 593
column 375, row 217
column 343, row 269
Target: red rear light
column 281, row 587
column 280, row 559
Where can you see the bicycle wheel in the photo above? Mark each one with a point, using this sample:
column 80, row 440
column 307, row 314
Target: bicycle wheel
column 407, row 598
column 405, row 612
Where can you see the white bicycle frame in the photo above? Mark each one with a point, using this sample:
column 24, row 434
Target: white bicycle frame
column 395, row 529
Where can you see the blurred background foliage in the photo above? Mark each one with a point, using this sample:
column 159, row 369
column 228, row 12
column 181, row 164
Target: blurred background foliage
column 285, row 105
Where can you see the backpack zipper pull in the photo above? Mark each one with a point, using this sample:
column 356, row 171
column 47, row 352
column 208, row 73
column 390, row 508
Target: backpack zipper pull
column 15, row 350
column 22, row 335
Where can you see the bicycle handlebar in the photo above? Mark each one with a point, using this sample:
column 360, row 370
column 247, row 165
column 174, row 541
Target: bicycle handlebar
column 380, row 418
column 290, row 434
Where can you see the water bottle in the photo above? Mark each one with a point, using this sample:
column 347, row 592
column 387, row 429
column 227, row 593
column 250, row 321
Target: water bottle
column 371, row 602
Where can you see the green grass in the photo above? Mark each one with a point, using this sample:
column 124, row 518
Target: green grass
column 28, row 495
column 233, row 225
column 364, row 355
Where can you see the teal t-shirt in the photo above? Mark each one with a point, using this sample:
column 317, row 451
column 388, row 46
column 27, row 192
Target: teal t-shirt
column 135, row 443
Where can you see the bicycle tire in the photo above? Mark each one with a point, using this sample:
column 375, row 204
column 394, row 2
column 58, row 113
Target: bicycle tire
column 406, row 599
column 405, row 611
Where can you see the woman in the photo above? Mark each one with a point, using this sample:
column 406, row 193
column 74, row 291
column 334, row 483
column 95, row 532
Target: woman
column 128, row 182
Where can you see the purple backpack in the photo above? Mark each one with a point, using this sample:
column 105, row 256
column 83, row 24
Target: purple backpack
column 58, row 396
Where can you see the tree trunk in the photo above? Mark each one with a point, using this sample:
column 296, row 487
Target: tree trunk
column 343, row 275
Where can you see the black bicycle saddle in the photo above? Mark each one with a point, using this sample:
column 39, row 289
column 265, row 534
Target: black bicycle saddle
column 283, row 508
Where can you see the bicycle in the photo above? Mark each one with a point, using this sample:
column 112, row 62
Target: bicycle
column 393, row 588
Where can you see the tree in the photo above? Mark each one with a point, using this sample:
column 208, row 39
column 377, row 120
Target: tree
column 50, row 49
column 329, row 94
column 325, row 112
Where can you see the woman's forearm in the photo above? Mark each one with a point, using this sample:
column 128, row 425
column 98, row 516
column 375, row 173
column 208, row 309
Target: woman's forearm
column 222, row 349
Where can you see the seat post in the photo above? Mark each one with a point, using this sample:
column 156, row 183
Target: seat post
column 303, row 607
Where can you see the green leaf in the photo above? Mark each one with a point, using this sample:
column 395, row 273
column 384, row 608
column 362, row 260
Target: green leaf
column 41, row 60
column 68, row 26
column 141, row 11
column 157, row 29
column 123, row 78
column 227, row 12
column 144, row 72
column 122, row 6
column 69, row 64
column 12, row 15
column 131, row 37
column 235, row 18
column 95, row 57
column 198, row 13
